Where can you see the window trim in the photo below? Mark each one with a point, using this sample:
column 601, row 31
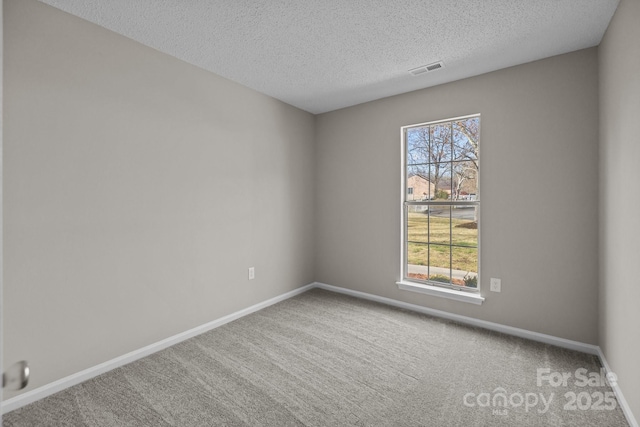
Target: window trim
column 443, row 290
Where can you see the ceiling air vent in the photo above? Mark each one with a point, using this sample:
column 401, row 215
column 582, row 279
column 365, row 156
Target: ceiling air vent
column 427, row 68
column 435, row 66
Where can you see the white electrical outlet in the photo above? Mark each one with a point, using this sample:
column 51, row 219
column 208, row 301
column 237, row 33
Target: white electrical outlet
column 252, row 273
column 496, row 285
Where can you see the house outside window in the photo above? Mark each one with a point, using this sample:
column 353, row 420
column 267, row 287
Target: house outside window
column 441, row 214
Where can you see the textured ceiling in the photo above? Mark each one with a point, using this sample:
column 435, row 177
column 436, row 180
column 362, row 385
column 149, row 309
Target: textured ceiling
column 321, row 55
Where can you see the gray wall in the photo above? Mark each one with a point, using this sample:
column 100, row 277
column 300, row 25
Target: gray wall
column 137, row 191
column 539, row 186
column 620, row 198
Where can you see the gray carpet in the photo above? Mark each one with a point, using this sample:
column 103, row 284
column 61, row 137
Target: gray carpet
column 324, row 359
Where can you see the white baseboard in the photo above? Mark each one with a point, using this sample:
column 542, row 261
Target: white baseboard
column 522, row 333
column 66, row 382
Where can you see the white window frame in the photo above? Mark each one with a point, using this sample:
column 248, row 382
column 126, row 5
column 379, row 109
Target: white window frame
column 426, row 287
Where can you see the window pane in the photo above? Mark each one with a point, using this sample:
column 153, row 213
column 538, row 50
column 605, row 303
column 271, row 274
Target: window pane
column 440, row 147
column 464, row 229
column 439, row 263
column 417, row 223
column 440, row 174
column 418, row 145
column 465, row 181
column 465, row 266
column 439, row 259
column 466, row 137
column 439, row 224
column 419, row 183
column 417, row 254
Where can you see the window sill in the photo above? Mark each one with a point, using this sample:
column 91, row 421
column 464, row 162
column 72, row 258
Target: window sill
column 472, row 298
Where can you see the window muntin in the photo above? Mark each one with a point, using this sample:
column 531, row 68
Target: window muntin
column 441, row 214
